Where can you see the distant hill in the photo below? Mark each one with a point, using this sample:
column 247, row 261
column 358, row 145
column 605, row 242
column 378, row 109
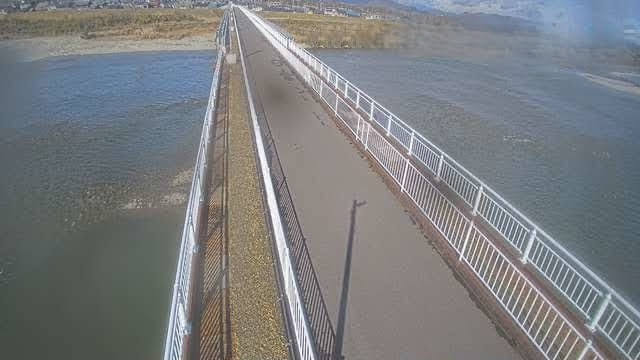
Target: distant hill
column 471, row 21
column 495, row 23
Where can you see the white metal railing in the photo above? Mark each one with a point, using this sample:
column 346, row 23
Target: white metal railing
column 304, row 341
column 383, row 134
column 178, row 328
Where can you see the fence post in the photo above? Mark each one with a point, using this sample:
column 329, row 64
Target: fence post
column 439, row 170
column 346, row 84
column 321, row 85
column 389, row 125
column 585, row 350
column 527, row 250
column 336, row 109
column 404, row 176
column 466, row 240
column 413, row 135
column 358, row 100
column 476, row 202
column 601, row 308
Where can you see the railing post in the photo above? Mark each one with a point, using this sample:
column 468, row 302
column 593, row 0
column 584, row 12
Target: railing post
column 476, row 202
column 466, row 240
column 585, row 350
column 371, row 112
column 337, row 98
column 439, row 170
column 601, row 309
column 389, row 125
column 527, row 250
column 358, row 100
column 366, row 141
column 185, row 326
column 404, row 176
column 321, row 85
column 413, row 135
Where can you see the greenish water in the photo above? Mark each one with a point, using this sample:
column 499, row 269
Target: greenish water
column 93, row 149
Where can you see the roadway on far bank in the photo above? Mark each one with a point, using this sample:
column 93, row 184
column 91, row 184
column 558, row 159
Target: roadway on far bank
column 381, row 280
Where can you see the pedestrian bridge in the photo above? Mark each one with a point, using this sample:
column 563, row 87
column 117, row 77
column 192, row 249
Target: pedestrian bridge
column 384, row 246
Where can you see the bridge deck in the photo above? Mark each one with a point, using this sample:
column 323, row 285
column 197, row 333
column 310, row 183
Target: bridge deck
column 398, row 295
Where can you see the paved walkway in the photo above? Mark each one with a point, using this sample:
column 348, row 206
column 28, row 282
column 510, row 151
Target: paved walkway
column 400, row 299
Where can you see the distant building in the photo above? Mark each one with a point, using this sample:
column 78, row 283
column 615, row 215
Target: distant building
column 331, row 12
column 5, row 9
column 350, row 12
column 375, row 17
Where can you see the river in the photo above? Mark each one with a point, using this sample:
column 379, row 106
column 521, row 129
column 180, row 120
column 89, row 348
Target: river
column 558, row 146
column 95, row 153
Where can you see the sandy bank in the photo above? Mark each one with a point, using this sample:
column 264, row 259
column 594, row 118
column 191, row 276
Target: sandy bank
column 43, row 47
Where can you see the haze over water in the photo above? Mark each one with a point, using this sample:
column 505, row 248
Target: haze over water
column 95, row 156
column 561, row 148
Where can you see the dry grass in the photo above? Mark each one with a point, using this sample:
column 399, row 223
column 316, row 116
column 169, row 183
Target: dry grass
column 320, row 31
column 128, row 24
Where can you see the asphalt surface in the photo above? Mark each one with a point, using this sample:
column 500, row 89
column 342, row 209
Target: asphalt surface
column 398, row 297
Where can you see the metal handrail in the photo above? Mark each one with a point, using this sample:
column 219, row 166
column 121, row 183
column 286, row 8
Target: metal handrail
column 603, row 308
column 178, row 328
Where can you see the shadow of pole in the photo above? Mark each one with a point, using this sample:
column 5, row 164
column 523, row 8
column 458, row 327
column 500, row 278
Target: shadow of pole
column 344, row 295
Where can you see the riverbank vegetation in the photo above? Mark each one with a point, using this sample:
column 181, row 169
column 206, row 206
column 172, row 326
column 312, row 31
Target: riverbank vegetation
column 142, row 24
column 192, row 28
